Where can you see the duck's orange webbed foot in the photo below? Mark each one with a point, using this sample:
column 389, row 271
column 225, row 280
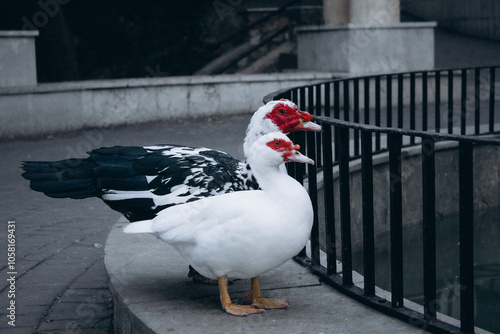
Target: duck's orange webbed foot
column 255, row 298
column 242, row 310
column 267, row 304
column 229, row 307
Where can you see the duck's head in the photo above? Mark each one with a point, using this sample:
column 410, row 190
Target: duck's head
column 278, row 116
column 276, row 148
column 284, row 116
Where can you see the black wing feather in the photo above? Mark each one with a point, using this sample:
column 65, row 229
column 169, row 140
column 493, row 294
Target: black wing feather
column 146, row 170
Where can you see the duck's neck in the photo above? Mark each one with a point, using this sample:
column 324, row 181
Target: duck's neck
column 274, row 182
column 250, row 138
column 259, row 126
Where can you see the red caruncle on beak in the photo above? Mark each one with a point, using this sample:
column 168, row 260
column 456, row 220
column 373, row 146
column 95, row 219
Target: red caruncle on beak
column 305, row 115
column 288, row 118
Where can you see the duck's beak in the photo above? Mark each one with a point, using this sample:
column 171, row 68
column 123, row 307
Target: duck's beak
column 299, row 157
column 309, row 126
column 305, row 124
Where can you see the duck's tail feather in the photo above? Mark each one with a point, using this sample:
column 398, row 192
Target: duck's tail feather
column 71, row 178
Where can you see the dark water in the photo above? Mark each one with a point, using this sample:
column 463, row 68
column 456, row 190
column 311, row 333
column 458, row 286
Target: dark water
column 486, row 266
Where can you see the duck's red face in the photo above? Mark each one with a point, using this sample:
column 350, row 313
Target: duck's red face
column 290, row 118
column 289, row 151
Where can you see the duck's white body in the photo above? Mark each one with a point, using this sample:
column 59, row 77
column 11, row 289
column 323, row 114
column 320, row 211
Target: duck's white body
column 241, row 234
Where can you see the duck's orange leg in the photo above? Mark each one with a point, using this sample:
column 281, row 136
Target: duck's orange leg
column 256, row 299
column 229, row 307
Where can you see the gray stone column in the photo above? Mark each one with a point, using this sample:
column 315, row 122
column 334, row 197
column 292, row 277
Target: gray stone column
column 336, row 11
column 17, row 58
column 365, row 36
column 363, row 11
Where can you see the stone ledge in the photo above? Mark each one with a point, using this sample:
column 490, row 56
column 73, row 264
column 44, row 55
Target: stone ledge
column 152, row 294
column 19, row 33
column 69, row 86
column 373, row 25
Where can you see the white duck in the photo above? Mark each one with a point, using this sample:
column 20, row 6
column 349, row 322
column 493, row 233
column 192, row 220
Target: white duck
column 246, row 233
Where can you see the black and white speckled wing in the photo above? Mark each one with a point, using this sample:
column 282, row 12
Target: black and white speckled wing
column 141, row 181
column 162, row 176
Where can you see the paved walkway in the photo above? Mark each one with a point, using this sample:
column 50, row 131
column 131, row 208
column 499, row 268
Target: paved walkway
column 60, row 280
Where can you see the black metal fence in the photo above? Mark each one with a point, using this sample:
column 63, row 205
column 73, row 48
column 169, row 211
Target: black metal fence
column 365, row 116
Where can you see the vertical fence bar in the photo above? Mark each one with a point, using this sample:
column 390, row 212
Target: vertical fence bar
column 291, row 167
column 412, row 105
column 368, row 220
column 312, row 181
column 301, row 136
column 424, row 102
column 389, row 101
column 463, row 103
column 492, row 100
column 377, row 111
column 331, row 246
column 356, row 115
column 300, row 139
column 347, row 106
column 366, row 83
column 318, row 111
column 336, row 114
column 437, row 99
column 317, row 100
column 400, row 101
column 465, row 176
column 396, row 223
column 477, row 100
column 336, row 100
column 450, row 101
column 327, row 101
column 345, row 204
column 429, row 226
column 345, row 209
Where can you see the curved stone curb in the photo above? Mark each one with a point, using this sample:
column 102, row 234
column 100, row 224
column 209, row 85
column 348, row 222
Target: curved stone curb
column 152, row 294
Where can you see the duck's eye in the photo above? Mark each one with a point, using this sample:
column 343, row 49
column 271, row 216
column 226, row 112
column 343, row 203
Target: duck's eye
column 276, row 143
column 281, row 111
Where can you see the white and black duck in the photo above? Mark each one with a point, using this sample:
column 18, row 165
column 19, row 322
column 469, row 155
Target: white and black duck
column 140, row 182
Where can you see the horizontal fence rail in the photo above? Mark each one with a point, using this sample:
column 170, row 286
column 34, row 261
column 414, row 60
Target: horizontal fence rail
column 365, row 116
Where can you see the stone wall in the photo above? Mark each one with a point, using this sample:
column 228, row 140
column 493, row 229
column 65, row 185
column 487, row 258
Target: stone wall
column 52, row 108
